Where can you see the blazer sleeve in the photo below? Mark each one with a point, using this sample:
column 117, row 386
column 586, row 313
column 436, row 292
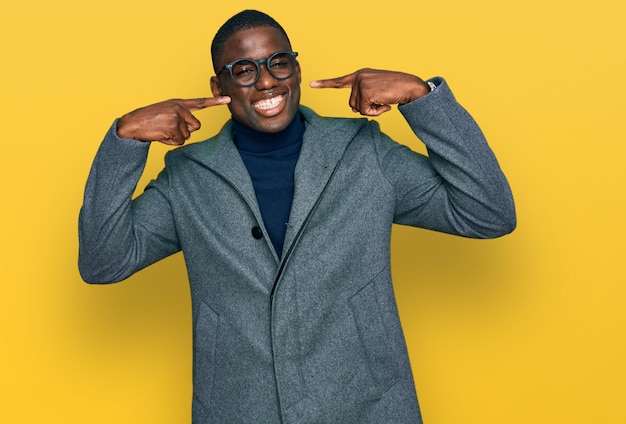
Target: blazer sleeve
column 459, row 187
column 117, row 235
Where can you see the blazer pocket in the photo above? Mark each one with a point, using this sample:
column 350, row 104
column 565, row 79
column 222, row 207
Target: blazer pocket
column 371, row 329
column 205, row 341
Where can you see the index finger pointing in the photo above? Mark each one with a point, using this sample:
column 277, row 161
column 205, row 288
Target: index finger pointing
column 339, row 82
column 204, row 102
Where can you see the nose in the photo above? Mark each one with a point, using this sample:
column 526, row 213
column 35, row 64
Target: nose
column 266, row 79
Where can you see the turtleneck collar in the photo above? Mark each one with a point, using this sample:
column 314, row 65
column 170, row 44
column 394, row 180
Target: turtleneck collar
column 253, row 141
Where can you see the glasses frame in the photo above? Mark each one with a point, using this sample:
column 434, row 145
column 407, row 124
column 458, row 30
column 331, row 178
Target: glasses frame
column 257, row 63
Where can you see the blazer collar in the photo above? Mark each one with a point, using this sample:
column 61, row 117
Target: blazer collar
column 325, row 141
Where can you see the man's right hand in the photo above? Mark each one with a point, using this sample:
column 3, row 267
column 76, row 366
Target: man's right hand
column 169, row 122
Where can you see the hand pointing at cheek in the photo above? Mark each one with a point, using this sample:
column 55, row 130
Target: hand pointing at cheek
column 169, row 122
column 374, row 91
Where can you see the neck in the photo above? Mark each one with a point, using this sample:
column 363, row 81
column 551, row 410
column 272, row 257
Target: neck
column 251, row 140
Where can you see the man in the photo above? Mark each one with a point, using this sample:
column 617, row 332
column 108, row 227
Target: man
column 284, row 220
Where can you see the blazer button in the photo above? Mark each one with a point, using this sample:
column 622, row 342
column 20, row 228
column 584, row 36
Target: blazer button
column 257, row 233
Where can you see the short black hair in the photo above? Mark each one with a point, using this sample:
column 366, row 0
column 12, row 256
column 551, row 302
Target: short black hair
column 245, row 19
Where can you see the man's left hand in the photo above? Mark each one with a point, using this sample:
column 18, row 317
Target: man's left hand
column 374, row 91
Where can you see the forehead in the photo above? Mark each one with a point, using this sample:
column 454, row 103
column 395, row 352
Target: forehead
column 254, row 43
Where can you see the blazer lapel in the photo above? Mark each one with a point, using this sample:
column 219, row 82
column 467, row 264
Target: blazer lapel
column 220, row 155
column 325, row 141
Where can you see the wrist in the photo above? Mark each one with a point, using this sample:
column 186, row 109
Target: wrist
column 124, row 128
column 419, row 90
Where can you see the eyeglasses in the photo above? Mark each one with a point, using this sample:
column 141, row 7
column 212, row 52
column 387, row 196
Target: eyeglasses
column 245, row 72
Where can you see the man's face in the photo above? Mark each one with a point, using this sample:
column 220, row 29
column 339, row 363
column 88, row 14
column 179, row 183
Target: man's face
column 269, row 105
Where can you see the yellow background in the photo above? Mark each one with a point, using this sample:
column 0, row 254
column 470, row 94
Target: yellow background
column 526, row 328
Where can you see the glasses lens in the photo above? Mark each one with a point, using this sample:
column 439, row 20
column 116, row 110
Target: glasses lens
column 282, row 65
column 244, row 72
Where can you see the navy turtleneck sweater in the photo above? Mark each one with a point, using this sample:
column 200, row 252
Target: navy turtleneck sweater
column 271, row 160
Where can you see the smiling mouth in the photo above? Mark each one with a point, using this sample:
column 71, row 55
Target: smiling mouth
column 269, row 103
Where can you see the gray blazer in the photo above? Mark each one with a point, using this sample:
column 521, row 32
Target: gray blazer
column 314, row 336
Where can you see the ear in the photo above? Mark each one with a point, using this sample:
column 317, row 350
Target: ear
column 216, row 87
column 299, row 72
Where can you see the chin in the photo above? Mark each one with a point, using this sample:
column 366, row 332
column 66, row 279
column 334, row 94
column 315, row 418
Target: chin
column 275, row 124
column 274, row 128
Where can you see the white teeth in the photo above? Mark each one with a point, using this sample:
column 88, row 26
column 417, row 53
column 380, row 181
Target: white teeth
column 269, row 103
